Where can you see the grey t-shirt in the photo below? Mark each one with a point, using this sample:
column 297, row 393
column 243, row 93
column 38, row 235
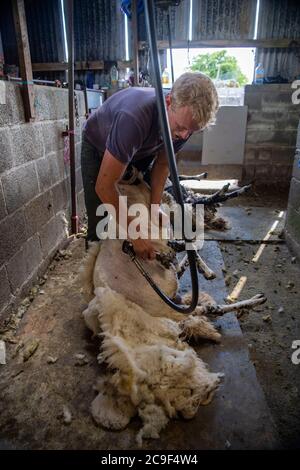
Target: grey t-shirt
column 127, row 124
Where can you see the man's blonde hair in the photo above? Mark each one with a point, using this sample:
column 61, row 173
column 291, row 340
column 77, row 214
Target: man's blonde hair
column 196, row 90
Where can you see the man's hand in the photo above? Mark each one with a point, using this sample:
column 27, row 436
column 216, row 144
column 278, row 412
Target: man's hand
column 143, row 248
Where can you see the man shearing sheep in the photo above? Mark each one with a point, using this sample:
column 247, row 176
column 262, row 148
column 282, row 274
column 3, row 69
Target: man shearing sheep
column 125, row 131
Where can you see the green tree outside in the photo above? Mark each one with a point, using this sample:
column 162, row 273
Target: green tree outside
column 219, row 65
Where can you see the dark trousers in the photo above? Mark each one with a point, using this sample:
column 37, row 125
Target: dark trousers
column 90, row 165
column 91, row 160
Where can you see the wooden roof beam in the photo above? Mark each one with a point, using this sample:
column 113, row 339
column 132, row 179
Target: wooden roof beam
column 284, row 43
column 60, row 66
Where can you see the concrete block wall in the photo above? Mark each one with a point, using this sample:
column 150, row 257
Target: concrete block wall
column 292, row 228
column 271, row 134
column 34, row 187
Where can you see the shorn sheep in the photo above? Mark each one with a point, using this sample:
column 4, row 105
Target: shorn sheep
column 151, row 370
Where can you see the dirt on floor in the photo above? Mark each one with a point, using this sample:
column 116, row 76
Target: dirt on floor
column 51, row 365
column 271, row 329
column 262, row 197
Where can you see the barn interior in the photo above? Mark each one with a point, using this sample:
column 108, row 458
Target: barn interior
column 57, row 60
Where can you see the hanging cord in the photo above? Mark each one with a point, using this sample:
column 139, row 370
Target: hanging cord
column 149, row 16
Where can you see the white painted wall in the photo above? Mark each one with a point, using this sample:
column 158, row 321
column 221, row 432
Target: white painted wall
column 224, row 142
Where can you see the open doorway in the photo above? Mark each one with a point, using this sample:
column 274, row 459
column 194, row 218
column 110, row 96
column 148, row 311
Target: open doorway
column 230, row 69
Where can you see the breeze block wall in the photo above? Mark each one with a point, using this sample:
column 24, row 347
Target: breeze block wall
column 34, row 186
column 271, row 134
column 292, row 228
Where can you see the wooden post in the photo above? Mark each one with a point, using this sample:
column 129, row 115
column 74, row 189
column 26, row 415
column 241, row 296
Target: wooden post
column 24, row 58
column 135, row 44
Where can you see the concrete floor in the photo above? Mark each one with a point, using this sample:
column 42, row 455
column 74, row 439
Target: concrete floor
column 271, row 329
column 33, row 393
column 250, row 223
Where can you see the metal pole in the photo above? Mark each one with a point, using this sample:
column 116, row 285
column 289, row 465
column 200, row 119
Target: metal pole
column 135, row 46
column 170, row 46
column 166, row 133
column 70, row 22
column 86, row 102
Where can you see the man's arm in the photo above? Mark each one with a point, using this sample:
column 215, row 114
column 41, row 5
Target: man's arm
column 159, row 175
column 111, row 171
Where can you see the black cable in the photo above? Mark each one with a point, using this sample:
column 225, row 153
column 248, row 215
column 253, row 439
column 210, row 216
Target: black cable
column 151, row 31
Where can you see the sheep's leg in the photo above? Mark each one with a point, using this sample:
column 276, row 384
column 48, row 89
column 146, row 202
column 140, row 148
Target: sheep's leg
column 192, row 197
column 222, row 309
column 193, row 177
column 232, row 194
column 201, row 266
column 182, row 267
column 204, row 269
column 220, row 196
column 195, row 198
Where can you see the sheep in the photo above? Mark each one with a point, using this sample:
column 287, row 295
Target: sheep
column 152, row 371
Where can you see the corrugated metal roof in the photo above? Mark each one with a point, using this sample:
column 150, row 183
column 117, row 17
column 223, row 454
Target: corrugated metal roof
column 223, row 19
column 277, row 61
column 45, row 31
column 179, row 22
column 279, row 19
column 98, row 30
column 101, row 77
column 8, row 34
